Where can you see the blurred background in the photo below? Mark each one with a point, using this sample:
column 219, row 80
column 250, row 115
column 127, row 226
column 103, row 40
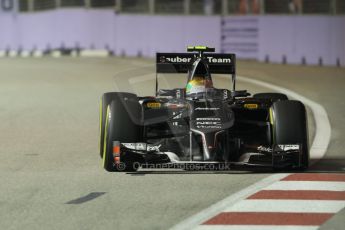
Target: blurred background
column 280, row 31
column 50, row 91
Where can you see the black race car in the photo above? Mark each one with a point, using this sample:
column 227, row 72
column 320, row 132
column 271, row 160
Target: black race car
column 200, row 126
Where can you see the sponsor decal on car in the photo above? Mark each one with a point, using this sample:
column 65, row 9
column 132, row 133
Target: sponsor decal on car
column 141, row 146
column 251, row 106
column 264, row 149
column 288, row 147
column 178, row 59
column 153, row 105
column 218, row 60
column 208, row 119
column 205, row 108
column 208, row 123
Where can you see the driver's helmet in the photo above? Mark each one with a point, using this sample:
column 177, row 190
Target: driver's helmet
column 198, row 84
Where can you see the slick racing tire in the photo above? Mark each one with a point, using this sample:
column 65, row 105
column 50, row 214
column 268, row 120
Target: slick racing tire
column 106, row 99
column 121, row 124
column 289, row 126
column 272, row 96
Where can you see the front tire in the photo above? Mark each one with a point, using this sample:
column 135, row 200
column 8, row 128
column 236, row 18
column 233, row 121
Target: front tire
column 106, row 99
column 289, row 126
column 122, row 124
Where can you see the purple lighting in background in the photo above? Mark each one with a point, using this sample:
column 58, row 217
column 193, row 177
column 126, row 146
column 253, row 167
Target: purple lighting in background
column 274, row 38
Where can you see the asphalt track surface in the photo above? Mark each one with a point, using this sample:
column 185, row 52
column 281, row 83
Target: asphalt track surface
column 50, row 169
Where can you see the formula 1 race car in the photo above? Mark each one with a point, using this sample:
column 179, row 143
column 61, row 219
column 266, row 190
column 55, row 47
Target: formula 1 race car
column 200, row 126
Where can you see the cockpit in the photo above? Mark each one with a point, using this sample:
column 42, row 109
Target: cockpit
column 199, row 80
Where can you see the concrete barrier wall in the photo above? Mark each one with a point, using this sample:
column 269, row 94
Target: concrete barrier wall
column 146, row 34
column 240, row 34
column 98, row 29
column 53, row 29
column 291, row 39
column 298, row 39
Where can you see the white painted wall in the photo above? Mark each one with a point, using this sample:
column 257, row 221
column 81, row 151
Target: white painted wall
column 311, row 37
column 148, row 35
column 54, row 28
column 294, row 37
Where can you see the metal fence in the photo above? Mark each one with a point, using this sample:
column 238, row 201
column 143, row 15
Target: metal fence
column 198, row 7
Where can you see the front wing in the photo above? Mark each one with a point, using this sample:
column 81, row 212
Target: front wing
column 148, row 156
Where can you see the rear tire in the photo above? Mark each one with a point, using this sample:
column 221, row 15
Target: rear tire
column 122, row 123
column 106, row 99
column 272, row 96
column 289, row 121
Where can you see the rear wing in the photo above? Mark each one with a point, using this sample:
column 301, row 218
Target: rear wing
column 182, row 62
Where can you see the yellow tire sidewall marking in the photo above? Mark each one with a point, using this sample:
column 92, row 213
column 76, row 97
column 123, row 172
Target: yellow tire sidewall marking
column 105, row 135
column 272, row 123
column 100, row 122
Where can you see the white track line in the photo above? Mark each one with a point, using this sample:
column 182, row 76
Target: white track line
column 307, row 185
column 227, row 202
column 308, row 206
column 255, row 227
column 317, row 151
